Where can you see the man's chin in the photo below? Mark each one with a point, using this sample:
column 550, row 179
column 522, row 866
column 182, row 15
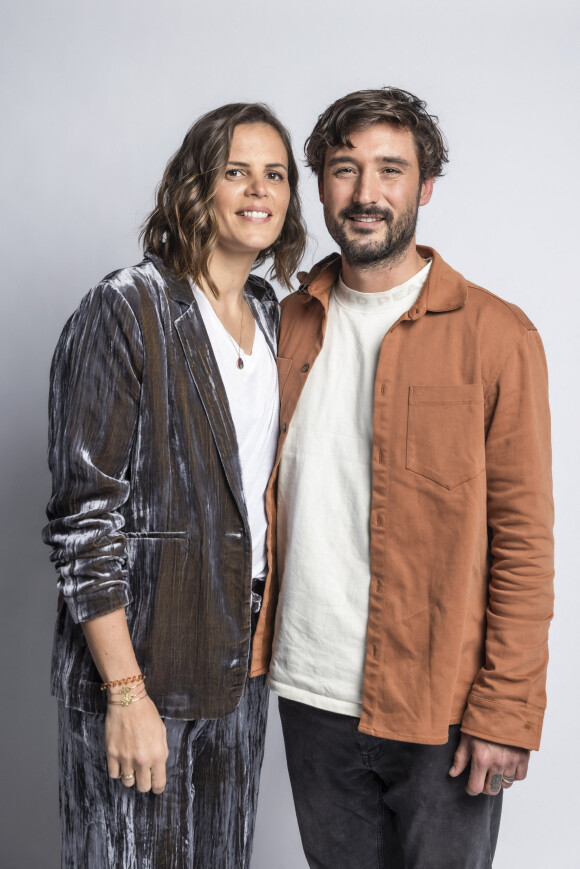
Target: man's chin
column 364, row 254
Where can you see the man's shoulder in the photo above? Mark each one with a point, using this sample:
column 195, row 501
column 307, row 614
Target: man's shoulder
column 498, row 308
column 318, row 281
column 488, row 309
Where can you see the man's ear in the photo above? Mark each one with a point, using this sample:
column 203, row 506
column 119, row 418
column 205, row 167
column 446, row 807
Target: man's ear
column 426, row 191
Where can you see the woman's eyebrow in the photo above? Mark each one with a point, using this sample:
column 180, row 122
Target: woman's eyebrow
column 247, row 165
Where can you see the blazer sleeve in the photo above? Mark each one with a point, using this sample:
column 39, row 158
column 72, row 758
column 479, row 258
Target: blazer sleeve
column 94, row 400
column 508, row 699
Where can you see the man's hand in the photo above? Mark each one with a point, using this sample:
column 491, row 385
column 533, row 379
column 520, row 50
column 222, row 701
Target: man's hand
column 493, row 766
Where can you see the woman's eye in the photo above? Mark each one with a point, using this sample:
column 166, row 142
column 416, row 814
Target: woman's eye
column 233, row 173
column 275, row 176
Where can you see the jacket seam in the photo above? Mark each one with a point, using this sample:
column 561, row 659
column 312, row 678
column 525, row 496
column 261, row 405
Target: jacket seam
column 527, row 707
column 497, row 374
column 522, row 320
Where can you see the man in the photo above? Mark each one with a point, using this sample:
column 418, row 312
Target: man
column 406, row 628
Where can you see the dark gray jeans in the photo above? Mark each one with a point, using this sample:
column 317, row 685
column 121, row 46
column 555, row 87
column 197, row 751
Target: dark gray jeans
column 368, row 803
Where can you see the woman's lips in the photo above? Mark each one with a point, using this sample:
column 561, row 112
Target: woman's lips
column 255, row 214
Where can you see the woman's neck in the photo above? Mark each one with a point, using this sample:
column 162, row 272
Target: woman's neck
column 229, row 274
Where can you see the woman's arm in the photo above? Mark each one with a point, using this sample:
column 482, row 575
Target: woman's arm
column 95, row 390
column 135, row 737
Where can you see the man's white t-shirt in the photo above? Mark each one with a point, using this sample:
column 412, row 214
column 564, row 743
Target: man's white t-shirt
column 324, row 502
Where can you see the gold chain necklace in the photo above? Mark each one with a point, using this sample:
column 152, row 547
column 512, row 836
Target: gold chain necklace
column 237, row 347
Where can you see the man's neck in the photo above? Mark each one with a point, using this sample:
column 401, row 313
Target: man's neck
column 379, row 279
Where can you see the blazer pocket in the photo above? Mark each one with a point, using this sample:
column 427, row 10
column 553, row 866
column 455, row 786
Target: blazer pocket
column 445, row 433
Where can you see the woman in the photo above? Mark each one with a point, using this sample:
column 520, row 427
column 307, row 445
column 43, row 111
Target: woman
column 164, row 422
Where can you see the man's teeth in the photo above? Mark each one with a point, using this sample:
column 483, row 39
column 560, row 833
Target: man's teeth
column 254, row 214
column 365, row 219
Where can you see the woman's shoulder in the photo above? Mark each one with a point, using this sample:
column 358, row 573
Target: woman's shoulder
column 262, row 299
column 133, row 282
column 261, row 290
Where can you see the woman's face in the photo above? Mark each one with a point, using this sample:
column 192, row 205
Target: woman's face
column 252, row 198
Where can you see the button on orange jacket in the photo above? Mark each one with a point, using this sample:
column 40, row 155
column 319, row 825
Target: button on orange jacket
column 461, row 512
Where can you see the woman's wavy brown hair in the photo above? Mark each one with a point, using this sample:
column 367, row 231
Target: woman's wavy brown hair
column 182, row 228
column 363, row 109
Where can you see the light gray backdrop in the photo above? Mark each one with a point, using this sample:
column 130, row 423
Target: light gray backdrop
column 95, row 97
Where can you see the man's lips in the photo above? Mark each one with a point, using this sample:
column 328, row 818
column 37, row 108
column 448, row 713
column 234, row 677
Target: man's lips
column 366, row 219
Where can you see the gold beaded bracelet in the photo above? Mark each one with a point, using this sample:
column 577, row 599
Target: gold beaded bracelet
column 128, row 680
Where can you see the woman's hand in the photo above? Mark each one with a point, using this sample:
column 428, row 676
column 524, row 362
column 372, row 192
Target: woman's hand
column 135, row 737
column 136, row 743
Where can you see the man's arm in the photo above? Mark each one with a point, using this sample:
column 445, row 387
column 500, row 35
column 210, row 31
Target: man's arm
column 503, row 719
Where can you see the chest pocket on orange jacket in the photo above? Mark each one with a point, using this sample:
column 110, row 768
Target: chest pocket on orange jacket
column 445, row 433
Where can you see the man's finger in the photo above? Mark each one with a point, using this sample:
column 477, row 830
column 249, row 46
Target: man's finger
column 461, row 757
column 477, row 778
column 493, row 782
column 522, row 769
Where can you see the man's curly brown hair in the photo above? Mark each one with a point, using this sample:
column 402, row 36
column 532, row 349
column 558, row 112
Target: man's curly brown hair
column 363, row 109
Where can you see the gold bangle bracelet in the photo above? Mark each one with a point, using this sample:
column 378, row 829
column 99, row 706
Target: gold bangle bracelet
column 127, row 700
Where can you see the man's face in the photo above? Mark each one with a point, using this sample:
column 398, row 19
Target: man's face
column 371, row 194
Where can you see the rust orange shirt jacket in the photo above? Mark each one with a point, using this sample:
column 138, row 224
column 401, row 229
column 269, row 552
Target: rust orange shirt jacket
column 461, row 512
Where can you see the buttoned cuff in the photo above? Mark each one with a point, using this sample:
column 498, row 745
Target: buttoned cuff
column 502, row 722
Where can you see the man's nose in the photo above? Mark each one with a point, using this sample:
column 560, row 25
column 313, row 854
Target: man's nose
column 367, row 188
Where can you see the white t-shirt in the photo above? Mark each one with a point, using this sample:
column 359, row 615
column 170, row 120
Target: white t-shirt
column 324, row 502
column 254, row 404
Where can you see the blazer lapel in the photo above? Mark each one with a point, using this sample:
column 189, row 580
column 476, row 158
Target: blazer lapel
column 204, row 371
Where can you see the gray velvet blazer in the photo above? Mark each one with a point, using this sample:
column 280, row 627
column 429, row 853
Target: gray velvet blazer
column 147, row 510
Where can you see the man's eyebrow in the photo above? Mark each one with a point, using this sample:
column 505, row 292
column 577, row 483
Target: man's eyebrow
column 346, row 158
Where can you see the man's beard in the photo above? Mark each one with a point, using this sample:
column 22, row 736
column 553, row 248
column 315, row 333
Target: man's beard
column 388, row 250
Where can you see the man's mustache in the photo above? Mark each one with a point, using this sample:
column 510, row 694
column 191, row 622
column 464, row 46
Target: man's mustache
column 376, row 213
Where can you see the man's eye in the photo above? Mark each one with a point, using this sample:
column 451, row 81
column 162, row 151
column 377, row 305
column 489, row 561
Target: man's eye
column 344, row 170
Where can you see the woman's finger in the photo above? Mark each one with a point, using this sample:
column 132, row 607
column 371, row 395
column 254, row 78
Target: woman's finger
column 143, row 779
column 158, row 777
column 113, row 768
column 128, row 778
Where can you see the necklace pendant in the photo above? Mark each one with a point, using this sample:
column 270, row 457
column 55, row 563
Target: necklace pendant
column 240, row 363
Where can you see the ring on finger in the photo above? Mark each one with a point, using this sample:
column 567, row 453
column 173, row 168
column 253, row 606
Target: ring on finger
column 127, row 776
column 508, row 779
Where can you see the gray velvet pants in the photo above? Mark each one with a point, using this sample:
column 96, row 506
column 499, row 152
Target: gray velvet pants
column 203, row 820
